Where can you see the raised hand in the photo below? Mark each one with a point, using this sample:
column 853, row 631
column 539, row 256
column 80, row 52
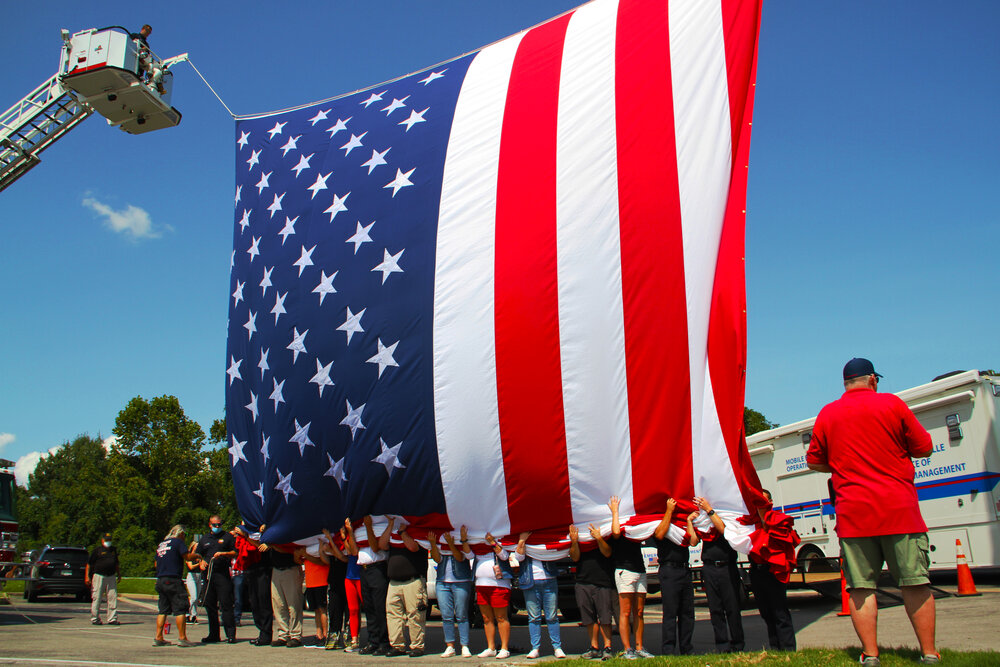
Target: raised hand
column 614, row 503
column 574, row 534
column 671, row 504
column 595, row 532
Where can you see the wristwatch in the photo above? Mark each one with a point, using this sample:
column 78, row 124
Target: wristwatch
column 710, row 512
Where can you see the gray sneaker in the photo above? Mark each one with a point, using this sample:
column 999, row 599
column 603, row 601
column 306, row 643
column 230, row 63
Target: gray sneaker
column 160, row 642
column 870, row 660
column 607, row 653
column 630, row 654
column 643, row 653
column 930, row 659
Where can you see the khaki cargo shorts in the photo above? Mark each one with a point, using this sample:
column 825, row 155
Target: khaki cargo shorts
column 905, row 555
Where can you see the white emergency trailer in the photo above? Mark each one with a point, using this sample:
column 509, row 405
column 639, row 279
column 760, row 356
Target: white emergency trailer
column 956, row 484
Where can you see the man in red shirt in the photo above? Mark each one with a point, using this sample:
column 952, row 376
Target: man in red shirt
column 867, row 440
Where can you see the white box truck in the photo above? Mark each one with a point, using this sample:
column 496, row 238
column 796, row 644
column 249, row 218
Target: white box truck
column 956, row 484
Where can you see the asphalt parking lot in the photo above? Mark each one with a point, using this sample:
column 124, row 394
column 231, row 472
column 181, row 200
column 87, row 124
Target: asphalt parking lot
column 58, row 631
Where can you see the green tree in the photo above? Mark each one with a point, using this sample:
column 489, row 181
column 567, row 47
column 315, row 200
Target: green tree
column 67, row 497
column 754, row 421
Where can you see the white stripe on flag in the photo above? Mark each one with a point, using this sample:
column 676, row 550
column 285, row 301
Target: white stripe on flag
column 591, row 323
column 465, row 378
column 702, row 122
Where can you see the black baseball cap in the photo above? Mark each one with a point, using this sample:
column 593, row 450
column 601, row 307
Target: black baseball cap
column 858, row 367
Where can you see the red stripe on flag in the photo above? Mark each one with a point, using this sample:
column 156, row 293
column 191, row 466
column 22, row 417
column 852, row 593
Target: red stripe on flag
column 727, row 330
column 655, row 311
column 529, row 376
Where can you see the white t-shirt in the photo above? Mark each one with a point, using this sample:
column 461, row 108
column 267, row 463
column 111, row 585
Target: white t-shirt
column 483, row 570
column 367, row 556
column 538, row 572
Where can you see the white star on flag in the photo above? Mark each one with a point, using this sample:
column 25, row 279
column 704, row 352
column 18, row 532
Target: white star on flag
column 239, row 189
column 390, row 264
column 389, row 457
column 238, row 293
column 304, row 260
column 395, row 104
column 262, row 364
column 303, row 164
column 252, row 407
column 320, row 115
column 337, row 206
column 325, row 285
column 336, row 470
column 253, row 159
column 353, row 418
column 301, row 437
column 253, row 250
column 361, row 236
column 322, row 377
column 384, row 356
column 414, row 119
column 341, row 124
column 265, row 282
column 260, row 492
column 285, row 485
column 242, row 141
column 276, row 394
column 265, row 448
column 320, row 184
column 376, row 160
column 298, row 343
column 251, row 325
column 234, row 370
column 276, row 129
column 279, row 306
column 401, row 181
column 288, row 229
column 236, row 450
column 354, row 142
column 289, row 145
column 245, row 220
column 432, row 76
column 264, row 181
column 352, row 324
column 373, row 98
column 276, row 204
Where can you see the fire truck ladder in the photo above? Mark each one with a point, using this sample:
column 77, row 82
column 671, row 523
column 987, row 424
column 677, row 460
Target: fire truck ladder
column 34, row 124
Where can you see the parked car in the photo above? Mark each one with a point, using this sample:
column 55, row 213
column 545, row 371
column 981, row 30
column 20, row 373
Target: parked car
column 58, row 570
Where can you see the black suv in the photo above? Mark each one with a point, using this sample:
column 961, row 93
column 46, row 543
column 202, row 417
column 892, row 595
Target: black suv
column 58, row 571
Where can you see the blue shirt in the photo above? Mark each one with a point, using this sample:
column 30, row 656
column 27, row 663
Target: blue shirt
column 170, row 558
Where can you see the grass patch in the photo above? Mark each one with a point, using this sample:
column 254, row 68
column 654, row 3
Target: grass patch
column 126, row 586
column 812, row 658
column 14, row 587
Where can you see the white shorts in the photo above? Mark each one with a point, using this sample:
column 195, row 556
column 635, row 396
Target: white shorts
column 627, row 581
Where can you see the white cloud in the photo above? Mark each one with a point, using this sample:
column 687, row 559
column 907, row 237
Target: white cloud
column 27, row 464
column 109, row 442
column 131, row 221
column 5, row 439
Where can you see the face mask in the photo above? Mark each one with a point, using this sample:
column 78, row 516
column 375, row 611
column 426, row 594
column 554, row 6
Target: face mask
column 107, row 544
column 216, row 530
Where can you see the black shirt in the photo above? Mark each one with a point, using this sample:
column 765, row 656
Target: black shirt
column 627, row 554
column 404, row 564
column 595, row 568
column 717, row 550
column 170, row 558
column 282, row 561
column 211, row 544
column 668, row 552
column 104, row 561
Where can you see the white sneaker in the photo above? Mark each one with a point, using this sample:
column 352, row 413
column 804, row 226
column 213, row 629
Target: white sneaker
column 534, row 654
column 558, row 653
column 449, row 652
column 466, row 653
column 488, row 653
column 503, row 654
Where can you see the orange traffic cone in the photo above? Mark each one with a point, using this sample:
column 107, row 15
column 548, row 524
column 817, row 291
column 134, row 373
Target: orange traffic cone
column 845, row 606
column 966, row 586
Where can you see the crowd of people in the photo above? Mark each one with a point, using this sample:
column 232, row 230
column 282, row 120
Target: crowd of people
column 865, row 439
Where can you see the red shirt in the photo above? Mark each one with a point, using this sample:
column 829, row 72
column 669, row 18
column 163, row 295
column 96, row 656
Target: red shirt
column 868, row 440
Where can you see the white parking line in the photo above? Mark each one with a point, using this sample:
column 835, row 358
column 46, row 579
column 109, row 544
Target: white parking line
column 52, row 661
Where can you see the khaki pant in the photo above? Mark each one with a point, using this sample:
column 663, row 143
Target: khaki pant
column 406, row 604
column 286, row 602
column 99, row 586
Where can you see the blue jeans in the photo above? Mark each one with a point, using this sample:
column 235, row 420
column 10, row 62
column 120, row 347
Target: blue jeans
column 543, row 597
column 453, row 600
column 237, row 597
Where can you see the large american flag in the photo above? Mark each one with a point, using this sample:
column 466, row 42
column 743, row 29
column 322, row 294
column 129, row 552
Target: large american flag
column 500, row 290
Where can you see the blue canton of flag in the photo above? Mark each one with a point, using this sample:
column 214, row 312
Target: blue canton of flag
column 329, row 396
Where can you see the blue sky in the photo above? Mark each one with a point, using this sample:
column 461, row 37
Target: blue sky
column 871, row 229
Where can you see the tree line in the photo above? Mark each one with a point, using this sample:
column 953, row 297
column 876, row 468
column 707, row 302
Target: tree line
column 160, row 470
